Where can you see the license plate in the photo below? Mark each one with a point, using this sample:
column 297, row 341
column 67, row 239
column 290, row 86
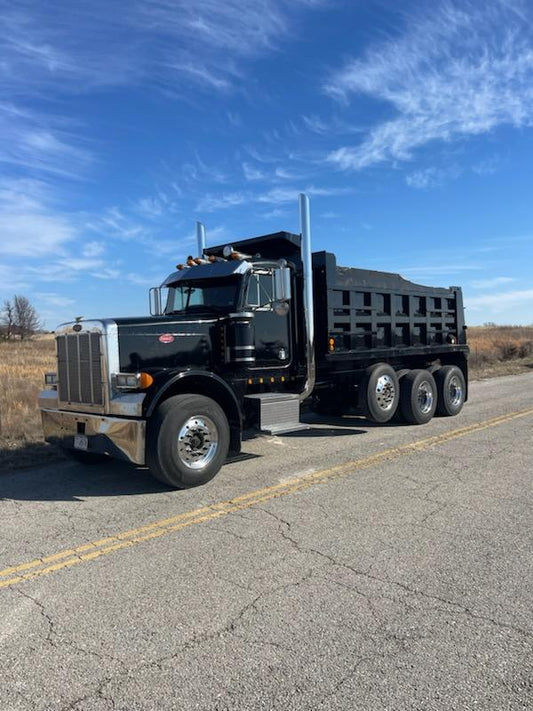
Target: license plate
column 81, row 442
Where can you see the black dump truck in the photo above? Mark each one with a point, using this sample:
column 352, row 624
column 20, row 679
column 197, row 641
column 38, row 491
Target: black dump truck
column 242, row 336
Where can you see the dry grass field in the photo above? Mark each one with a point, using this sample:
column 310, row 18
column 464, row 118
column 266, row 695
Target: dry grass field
column 495, row 350
column 22, row 368
column 500, row 350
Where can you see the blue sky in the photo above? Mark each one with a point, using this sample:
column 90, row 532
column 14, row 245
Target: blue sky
column 121, row 123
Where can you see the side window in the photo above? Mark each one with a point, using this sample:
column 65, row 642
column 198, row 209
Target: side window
column 261, row 290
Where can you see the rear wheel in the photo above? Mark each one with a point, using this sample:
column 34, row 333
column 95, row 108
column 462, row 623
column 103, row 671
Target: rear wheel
column 451, row 389
column 418, row 398
column 188, row 441
column 379, row 393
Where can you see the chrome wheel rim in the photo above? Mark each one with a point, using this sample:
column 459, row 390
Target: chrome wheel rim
column 425, row 397
column 455, row 391
column 385, row 392
column 197, row 442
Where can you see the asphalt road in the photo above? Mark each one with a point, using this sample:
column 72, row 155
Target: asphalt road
column 345, row 567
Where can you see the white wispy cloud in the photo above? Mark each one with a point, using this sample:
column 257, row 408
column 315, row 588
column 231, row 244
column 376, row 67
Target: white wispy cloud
column 489, row 283
column 252, row 173
column 488, row 166
column 114, row 224
column 274, row 196
column 461, row 70
column 40, row 144
column 500, row 302
column 12, row 281
column 171, row 41
column 52, row 299
column 431, row 177
column 154, row 206
column 93, row 249
column 29, row 227
column 443, row 269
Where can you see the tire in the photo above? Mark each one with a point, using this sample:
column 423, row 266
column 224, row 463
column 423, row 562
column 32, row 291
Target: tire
column 187, row 441
column 379, row 393
column 79, row 455
column 451, row 390
column 418, row 397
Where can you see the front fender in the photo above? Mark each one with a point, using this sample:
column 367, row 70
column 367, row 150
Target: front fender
column 167, row 382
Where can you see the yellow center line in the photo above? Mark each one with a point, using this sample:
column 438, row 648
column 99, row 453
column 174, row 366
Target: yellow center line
column 104, row 546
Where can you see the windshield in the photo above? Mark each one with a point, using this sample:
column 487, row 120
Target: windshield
column 207, row 294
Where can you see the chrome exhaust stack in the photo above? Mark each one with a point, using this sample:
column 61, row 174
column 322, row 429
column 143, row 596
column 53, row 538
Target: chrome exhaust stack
column 309, row 315
column 200, row 238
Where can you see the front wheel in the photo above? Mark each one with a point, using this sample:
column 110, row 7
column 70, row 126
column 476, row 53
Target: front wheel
column 187, row 441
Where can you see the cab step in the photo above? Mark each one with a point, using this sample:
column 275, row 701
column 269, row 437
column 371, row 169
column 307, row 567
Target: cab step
column 277, row 413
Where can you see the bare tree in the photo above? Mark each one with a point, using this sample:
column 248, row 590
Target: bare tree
column 27, row 320
column 7, row 319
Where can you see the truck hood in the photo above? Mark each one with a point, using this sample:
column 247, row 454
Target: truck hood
column 148, row 343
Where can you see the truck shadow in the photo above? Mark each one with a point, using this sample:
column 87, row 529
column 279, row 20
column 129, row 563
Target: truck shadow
column 54, row 477
column 324, row 431
column 345, row 422
column 39, row 472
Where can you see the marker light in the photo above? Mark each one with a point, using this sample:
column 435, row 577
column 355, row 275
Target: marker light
column 331, row 343
column 145, row 380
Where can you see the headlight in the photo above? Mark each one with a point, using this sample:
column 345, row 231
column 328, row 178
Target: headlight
column 132, row 381
column 127, row 380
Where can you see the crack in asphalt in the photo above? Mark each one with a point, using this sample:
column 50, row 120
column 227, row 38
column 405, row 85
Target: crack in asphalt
column 196, row 640
column 375, row 578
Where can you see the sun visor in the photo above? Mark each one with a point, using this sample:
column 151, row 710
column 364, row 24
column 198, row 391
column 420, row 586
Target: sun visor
column 209, row 271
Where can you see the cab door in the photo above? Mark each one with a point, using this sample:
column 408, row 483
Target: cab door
column 272, row 326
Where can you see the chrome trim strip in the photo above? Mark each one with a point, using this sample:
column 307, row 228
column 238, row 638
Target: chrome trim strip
column 307, row 260
column 243, row 360
column 242, row 314
column 243, row 348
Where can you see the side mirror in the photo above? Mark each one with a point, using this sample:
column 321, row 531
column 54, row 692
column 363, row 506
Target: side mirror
column 155, row 301
column 282, row 284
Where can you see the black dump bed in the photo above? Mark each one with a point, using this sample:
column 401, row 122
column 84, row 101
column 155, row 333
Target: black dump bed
column 362, row 314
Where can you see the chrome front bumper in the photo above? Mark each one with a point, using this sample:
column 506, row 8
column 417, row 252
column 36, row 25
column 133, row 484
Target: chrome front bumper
column 116, row 436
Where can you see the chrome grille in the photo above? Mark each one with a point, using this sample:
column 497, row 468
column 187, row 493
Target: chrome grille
column 79, row 368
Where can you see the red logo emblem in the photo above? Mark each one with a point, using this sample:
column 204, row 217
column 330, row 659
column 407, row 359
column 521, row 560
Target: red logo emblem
column 166, row 338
